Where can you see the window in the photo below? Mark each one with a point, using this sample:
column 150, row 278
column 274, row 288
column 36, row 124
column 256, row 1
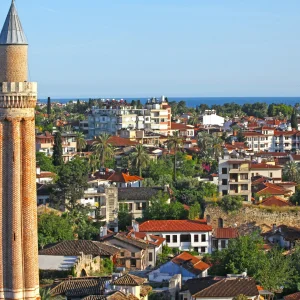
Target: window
column 203, row 237
column 255, row 145
column 185, row 238
column 235, row 166
column 132, row 254
column 174, row 238
column 224, row 170
column 133, row 263
column 203, row 249
column 196, row 238
column 244, row 176
column 244, row 187
column 150, row 256
column 271, row 174
column 215, row 244
column 224, row 181
column 196, row 249
column 224, row 192
column 129, row 206
column 168, row 238
column 122, row 254
column 223, row 244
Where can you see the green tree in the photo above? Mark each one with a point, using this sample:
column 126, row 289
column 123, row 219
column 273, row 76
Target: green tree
column 271, row 276
column 80, row 141
column 71, row 184
column 94, row 163
column 49, row 106
column 204, row 141
column 243, row 253
column 57, row 150
column 194, row 211
column 174, row 143
column 240, row 297
column 140, row 158
column 53, row 228
column 164, row 255
column 103, row 148
column 44, row 162
column 294, row 119
column 124, row 217
column 194, row 118
column 231, row 203
column 291, row 172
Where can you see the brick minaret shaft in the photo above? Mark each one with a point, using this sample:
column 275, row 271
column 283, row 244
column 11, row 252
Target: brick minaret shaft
column 18, row 209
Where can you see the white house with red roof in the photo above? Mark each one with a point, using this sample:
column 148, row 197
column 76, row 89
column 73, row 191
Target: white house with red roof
column 185, row 264
column 183, row 234
column 186, row 131
column 221, row 237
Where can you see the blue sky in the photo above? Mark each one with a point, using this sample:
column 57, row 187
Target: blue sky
column 142, row 48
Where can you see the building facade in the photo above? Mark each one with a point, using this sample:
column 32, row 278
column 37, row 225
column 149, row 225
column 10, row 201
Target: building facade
column 19, row 274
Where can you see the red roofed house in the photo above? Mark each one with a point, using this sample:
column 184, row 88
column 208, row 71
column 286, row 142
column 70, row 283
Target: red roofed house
column 267, row 170
column 183, row 129
column 121, row 179
column 221, row 237
column 275, row 201
column 185, row 264
column 182, row 234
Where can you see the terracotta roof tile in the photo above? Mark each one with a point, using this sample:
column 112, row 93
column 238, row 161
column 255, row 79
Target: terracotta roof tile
column 80, row 287
column 145, row 290
column 175, row 226
column 275, row 201
column 295, row 296
column 74, row 248
column 229, row 287
column 264, row 166
column 190, row 263
column 129, row 280
column 226, row 233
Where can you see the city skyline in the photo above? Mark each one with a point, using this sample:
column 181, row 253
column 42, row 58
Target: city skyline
column 139, row 49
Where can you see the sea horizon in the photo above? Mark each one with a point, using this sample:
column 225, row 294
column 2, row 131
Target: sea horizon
column 193, row 101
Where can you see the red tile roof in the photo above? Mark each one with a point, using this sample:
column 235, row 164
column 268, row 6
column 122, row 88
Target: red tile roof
column 175, row 226
column 295, row 296
column 252, row 133
column 226, row 233
column 275, row 201
column 118, row 177
column 264, row 166
column 180, row 126
column 190, row 263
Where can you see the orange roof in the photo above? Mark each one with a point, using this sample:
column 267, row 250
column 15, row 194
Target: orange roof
column 151, row 239
column 175, row 226
column 284, row 133
column 118, row 177
column 236, row 145
column 190, row 262
column 226, row 233
column 186, row 207
column 180, row 126
column 264, row 166
column 295, row 296
column 275, row 201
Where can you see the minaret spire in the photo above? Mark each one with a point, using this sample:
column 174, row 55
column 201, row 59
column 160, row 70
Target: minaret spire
column 12, row 32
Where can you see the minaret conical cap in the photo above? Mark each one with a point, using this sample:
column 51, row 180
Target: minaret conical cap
column 12, row 32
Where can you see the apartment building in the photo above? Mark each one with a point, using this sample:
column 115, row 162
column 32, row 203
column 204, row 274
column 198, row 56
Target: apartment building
column 154, row 116
column 270, row 139
column 235, row 177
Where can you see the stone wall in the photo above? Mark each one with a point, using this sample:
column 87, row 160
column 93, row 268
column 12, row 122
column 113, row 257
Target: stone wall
column 13, row 62
column 251, row 217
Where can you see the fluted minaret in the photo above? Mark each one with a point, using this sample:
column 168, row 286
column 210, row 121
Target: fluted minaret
column 18, row 214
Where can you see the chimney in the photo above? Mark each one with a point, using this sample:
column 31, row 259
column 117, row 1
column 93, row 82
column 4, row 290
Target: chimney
column 103, row 231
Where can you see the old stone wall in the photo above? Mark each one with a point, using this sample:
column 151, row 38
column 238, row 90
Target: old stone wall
column 251, row 217
column 13, row 63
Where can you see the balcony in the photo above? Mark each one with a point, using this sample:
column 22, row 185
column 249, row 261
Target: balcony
column 237, row 192
column 238, row 170
column 239, row 181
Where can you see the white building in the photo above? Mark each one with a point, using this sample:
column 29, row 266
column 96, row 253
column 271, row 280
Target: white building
column 182, row 234
column 210, row 118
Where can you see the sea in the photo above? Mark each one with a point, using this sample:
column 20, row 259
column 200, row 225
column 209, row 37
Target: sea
column 195, row 101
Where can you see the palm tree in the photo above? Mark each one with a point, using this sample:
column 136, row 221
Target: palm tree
column 216, row 147
column 140, row 158
column 94, row 163
column 80, row 141
column 174, row 142
column 194, row 118
column 103, row 148
column 292, row 171
column 204, row 141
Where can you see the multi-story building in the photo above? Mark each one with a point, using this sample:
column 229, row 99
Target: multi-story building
column 270, row 139
column 235, row 177
column 154, row 117
column 182, row 234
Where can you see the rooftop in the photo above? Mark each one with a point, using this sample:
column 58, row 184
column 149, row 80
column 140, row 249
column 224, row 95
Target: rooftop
column 175, row 226
column 226, row 233
column 129, row 280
